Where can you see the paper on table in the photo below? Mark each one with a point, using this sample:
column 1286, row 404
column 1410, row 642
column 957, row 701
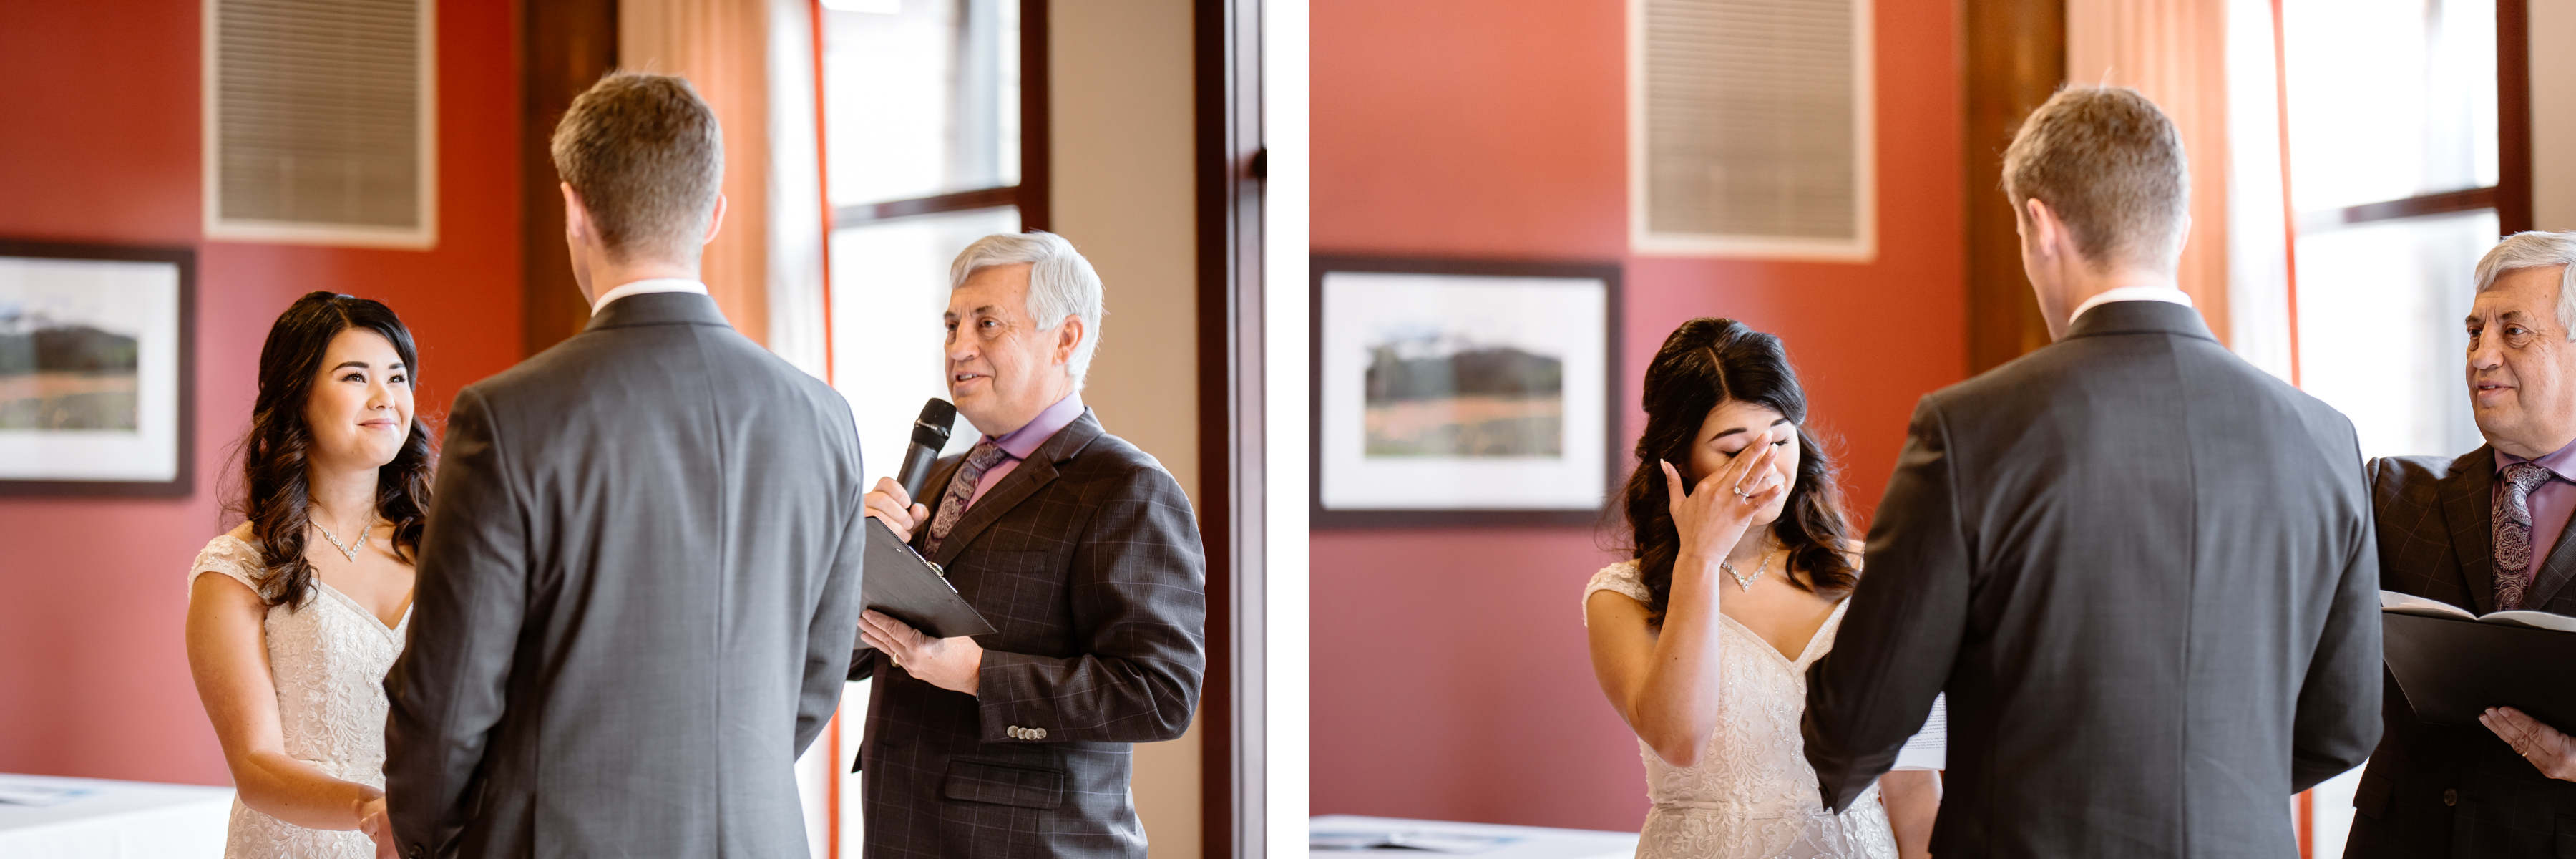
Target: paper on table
column 37, row 795
column 1929, row 748
column 1391, row 839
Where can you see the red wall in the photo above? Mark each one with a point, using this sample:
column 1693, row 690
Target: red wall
column 1450, row 678
column 102, row 100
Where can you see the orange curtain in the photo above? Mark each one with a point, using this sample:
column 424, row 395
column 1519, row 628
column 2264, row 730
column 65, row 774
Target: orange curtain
column 722, row 47
column 2174, row 51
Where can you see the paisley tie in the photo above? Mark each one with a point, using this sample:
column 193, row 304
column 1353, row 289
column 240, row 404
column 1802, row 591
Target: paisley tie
column 961, row 490
column 2513, row 532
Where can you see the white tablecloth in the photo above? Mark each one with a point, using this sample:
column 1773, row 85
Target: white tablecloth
column 1527, row 842
column 117, row 820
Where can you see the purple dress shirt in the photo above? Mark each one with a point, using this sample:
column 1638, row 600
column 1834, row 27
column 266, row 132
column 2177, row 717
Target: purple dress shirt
column 2551, row 502
column 1019, row 443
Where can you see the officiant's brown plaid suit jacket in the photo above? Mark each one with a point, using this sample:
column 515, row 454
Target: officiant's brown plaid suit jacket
column 1086, row 559
column 2454, row 790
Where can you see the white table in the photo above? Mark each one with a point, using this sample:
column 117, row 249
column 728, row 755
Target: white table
column 1528, row 842
column 117, row 820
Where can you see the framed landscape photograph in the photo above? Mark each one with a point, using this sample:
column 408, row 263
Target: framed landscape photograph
column 1463, row 392
column 95, row 347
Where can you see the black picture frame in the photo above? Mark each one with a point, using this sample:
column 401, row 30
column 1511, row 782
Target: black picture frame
column 183, row 479
column 1609, row 274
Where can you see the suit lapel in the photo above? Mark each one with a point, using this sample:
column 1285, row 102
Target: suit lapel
column 2468, row 508
column 1032, row 474
column 2554, row 573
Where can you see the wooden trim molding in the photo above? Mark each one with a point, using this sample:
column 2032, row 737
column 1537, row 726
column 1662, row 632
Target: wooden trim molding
column 2014, row 56
column 2464, row 200
column 1037, row 167
column 961, row 201
column 2513, row 116
column 1227, row 48
column 564, row 47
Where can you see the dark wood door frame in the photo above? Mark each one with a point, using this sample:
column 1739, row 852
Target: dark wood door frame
column 1227, row 44
column 564, row 47
column 2014, row 55
column 2513, row 116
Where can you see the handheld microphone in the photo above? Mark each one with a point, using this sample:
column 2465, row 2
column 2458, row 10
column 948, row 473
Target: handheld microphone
column 929, row 434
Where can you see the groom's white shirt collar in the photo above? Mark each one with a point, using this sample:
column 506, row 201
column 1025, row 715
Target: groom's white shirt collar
column 2126, row 293
column 659, row 284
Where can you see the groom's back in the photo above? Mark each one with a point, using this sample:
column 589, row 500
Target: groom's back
column 683, row 494
column 2157, row 533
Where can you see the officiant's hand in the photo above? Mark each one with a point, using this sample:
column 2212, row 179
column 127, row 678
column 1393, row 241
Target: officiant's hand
column 954, row 664
column 2554, row 753
column 1712, row 517
column 892, row 506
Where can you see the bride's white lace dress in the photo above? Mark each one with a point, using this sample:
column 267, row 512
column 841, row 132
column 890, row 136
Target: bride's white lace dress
column 328, row 660
column 1752, row 794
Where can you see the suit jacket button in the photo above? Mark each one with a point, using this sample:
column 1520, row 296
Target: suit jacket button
column 1037, row 733
column 1013, row 730
column 2450, row 796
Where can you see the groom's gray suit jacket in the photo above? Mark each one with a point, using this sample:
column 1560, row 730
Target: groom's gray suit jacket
column 636, row 599
column 2143, row 570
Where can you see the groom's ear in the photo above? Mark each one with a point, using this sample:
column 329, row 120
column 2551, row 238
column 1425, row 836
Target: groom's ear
column 576, row 216
column 2039, row 226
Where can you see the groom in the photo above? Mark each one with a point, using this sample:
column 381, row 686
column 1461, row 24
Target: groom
column 640, row 582
column 2142, row 568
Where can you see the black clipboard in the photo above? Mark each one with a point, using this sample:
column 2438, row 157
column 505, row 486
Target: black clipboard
column 2451, row 669
column 901, row 584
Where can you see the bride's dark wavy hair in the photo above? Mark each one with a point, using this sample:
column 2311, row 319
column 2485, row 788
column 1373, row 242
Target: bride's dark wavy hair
column 1705, row 363
column 275, row 494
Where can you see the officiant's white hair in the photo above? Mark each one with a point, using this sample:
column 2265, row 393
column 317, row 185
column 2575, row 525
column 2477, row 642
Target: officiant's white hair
column 2536, row 249
column 1061, row 284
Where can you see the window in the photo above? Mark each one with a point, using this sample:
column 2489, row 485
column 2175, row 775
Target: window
column 2396, row 179
column 927, row 126
column 2394, row 165
column 933, row 137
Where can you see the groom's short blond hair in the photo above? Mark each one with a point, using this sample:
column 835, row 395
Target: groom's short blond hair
column 2111, row 165
column 645, row 155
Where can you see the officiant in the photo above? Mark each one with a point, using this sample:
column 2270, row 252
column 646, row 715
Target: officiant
column 2486, row 531
column 1083, row 553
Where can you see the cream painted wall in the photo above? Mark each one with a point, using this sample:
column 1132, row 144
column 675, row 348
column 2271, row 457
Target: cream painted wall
column 1123, row 165
column 2553, row 115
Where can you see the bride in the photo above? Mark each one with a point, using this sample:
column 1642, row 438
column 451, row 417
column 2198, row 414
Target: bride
column 291, row 636
column 1737, row 582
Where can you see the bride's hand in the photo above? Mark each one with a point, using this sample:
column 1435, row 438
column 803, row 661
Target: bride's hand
column 373, row 822
column 1712, row 518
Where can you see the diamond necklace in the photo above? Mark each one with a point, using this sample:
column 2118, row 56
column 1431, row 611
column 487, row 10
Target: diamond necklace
column 351, row 552
column 1744, row 582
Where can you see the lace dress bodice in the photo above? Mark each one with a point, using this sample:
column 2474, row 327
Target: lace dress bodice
column 1752, row 794
column 328, row 659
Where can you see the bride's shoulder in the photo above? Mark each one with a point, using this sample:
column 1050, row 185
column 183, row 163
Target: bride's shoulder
column 237, row 541
column 1622, row 578
column 232, row 554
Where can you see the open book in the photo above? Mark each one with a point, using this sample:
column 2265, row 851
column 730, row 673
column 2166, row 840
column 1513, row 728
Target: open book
column 2452, row 665
column 2397, row 603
